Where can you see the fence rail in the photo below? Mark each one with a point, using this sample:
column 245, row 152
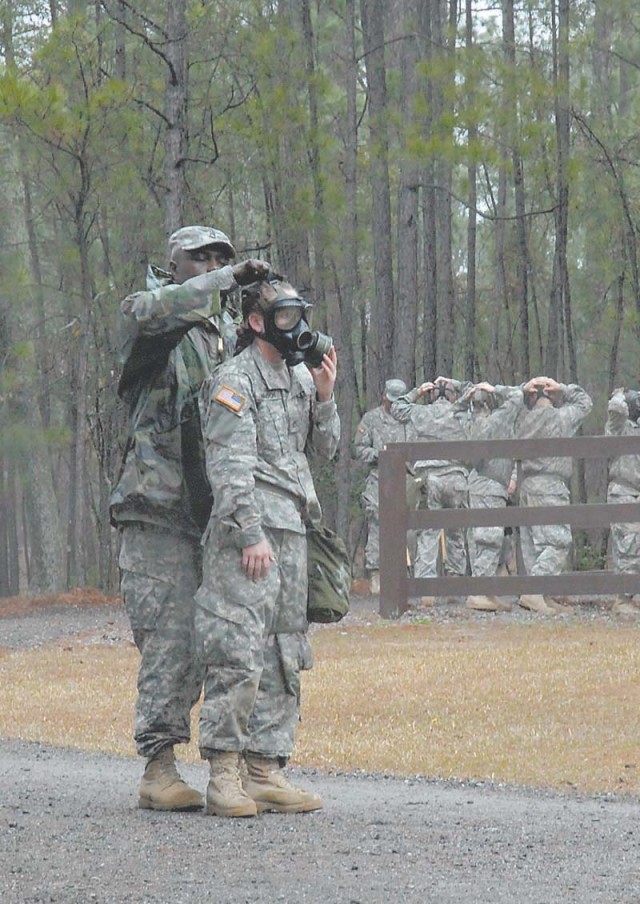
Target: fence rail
column 396, row 586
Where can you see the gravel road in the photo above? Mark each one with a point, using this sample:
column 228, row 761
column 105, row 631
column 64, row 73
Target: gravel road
column 70, row 831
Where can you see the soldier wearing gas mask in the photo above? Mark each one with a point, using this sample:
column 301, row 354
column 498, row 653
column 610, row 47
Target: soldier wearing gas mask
column 444, row 483
column 552, row 409
column 263, row 414
column 377, row 429
column 493, row 412
column 623, row 412
column 286, row 327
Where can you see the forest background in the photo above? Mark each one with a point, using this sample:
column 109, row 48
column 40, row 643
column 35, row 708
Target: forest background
column 453, row 184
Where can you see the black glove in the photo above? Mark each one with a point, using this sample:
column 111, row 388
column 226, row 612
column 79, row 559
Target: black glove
column 251, row 271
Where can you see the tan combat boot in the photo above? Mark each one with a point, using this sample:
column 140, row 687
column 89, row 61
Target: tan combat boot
column 624, row 607
column 487, row 604
column 225, row 794
column 162, row 788
column 268, row 787
column 536, row 602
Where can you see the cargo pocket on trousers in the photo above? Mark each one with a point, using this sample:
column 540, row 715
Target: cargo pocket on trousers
column 224, row 635
column 296, row 656
column 144, row 598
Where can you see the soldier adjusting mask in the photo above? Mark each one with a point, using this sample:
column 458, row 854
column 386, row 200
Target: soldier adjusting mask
column 286, row 327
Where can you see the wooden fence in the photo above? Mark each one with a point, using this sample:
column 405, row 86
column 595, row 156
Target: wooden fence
column 396, row 586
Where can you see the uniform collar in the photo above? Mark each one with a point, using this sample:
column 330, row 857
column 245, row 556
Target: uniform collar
column 275, row 377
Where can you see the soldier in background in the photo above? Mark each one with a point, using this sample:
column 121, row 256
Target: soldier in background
column 263, row 413
column 623, row 412
column 493, row 412
column 551, row 410
column 377, row 429
column 444, row 483
column 161, row 500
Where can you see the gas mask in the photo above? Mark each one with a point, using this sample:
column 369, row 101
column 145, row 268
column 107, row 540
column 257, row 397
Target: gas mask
column 443, row 391
column 287, row 329
column 632, row 398
column 532, row 397
column 483, row 402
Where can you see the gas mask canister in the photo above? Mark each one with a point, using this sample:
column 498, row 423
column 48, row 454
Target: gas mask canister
column 286, row 328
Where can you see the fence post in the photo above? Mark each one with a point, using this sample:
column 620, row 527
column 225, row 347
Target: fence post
column 393, row 531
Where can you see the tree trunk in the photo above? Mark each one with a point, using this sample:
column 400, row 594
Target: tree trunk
column 430, row 313
column 446, row 321
column 120, row 66
column 380, row 346
column 472, row 134
column 345, row 280
column 406, row 313
column 9, row 547
column 523, row 361
column 176, row 137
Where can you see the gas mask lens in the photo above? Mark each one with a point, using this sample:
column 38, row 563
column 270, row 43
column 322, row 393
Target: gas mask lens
column 286, row 317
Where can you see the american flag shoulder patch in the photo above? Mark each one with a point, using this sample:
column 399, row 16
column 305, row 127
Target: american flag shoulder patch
column 230, row 398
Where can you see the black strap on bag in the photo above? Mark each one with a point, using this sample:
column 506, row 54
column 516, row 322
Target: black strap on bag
column 329, row 573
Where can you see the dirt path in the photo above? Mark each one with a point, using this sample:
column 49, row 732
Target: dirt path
column 70, row 831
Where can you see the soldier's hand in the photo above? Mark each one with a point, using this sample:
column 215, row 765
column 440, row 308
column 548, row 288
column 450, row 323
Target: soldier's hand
column 257, row 559
column 424, row 388
column 486, row 387
column 251, row 271
column 324, row 377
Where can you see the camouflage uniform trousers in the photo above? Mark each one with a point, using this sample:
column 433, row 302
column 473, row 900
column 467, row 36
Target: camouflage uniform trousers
column 252, row 638
column 485, row 543
column 440, row 491
column 625, row 538
column 546, row 548
column 160, row 572
column 371, row 505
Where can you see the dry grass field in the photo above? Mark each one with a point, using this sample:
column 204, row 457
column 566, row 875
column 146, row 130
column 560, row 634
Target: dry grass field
column 545, row 704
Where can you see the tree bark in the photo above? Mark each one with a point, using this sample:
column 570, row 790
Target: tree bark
column 406, row 312
column 380, row 348
column 345, row 281
column 176, row 137
column 430, row 313
column 472, row 217
column 523, row 361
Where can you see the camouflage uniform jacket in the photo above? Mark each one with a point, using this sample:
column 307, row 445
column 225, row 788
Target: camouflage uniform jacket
column 376, row 430
column 260, row 422
column 624, row 471
column 551, row 422
column 439, row 421
column 173, row 339
column 499, row 424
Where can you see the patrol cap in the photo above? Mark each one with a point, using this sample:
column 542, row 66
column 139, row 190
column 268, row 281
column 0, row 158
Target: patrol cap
column 393, row 389
column 189, row 238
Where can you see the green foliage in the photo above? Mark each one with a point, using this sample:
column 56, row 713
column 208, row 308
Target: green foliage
column 92, row 148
